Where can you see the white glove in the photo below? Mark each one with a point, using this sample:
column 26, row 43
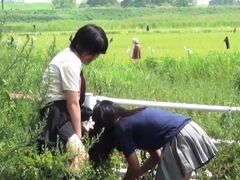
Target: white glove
column 87, row 125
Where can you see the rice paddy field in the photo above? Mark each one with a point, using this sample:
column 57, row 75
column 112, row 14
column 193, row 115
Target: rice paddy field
column 155, row 44
column 167, row 72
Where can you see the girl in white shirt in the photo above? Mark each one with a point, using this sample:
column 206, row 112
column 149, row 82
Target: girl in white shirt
column 64, row 85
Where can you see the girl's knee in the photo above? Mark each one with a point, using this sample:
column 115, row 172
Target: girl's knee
column 75, row 144
column 76, row 147
column 187, row 176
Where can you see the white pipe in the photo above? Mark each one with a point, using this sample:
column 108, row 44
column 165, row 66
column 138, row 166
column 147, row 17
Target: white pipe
column 185, row 106
column 89, row 100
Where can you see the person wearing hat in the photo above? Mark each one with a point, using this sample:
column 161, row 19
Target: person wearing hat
column 137, row 49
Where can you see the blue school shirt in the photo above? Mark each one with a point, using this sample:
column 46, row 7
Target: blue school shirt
column 148, row 129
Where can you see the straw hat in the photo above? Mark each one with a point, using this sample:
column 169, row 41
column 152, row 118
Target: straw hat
column 135, row 41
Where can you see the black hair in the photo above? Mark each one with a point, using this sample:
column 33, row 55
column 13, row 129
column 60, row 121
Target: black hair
column 106, row 114
column 86, row 113
column 90, row 39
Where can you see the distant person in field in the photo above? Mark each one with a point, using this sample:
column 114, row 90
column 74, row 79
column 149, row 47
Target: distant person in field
column 147, row 28
column 65, row 87
column 11, row 40
column 136, row 50
column 111, row 40
column 234, row 30
column 174, row 142
column 34, row 26
column 227, row 43
column 33, row 42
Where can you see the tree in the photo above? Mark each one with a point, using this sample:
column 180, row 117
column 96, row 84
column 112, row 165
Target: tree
column 139, row 3
column 95, row 3
column 228, row 2
column 126, row 3
column 222, row 2
column 181, row 3
column 64, row 4
column 157, row 2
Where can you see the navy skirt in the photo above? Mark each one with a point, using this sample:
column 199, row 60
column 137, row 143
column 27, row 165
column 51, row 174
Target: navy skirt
column 58, row 124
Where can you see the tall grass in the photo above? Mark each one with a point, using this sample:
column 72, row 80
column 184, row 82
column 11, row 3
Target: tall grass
column 20, row 125
column 203, row 79
column 211, row 79
column 27, row 6
column 198, row 79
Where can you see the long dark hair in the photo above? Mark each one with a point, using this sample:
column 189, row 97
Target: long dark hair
column 106, row 114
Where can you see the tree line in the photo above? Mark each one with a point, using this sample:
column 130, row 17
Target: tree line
column 61, row 4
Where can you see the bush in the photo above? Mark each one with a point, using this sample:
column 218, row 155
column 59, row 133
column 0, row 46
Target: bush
column 20, row 71
column 195, row 79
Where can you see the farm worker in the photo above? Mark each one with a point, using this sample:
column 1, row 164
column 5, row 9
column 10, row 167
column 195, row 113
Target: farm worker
column 137, row 49
column 64, row 84
column 33, row 42
column 185, row 145
column 147, row 28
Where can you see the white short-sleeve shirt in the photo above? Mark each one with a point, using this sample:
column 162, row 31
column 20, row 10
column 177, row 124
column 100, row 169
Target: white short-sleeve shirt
column 61, row 75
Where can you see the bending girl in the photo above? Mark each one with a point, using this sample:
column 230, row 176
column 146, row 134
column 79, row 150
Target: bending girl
column 185, row 145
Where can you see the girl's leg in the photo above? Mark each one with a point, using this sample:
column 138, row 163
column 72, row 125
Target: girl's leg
column 187, row 176
column 73, row 145
column 79, row 155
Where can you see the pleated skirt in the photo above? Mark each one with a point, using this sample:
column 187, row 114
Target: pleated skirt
column 189, row 150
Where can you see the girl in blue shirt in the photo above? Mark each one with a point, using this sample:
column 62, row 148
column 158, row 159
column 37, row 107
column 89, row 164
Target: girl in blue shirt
column 184, row 145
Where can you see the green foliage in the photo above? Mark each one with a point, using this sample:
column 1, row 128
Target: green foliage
column 236, row 80
column 220, row 167
column 20, row 125
column 223, row 2
column 117, row 13
column 201, row 79
column 95, row 3
column 64, row 4
column 197, row 79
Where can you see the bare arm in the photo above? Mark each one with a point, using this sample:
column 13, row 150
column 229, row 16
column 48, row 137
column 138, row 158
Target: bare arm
column 133, row 167
column 74, row 111
column 134, row 170
column 151, row 162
